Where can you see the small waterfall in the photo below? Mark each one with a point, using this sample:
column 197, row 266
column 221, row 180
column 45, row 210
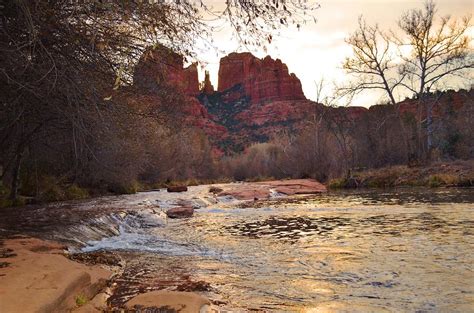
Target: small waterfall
column 109, row 226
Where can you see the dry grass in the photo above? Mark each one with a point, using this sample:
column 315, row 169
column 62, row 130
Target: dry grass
column 457, row 173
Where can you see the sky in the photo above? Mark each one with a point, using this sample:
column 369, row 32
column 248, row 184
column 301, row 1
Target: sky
column 318, row 49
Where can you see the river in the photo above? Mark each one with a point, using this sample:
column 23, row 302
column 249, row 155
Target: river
column 401, row 250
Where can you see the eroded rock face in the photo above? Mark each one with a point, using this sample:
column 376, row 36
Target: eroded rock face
column 255, row 99
column 207, row 86
column 160, row 66
column 161, row 69
column 247, row 122
column 191, row 80
column 262, row 79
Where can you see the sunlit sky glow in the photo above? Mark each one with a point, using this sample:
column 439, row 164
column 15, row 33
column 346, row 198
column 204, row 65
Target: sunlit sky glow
column 318, row 50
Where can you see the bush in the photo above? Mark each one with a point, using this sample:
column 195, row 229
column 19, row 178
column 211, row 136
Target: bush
column 5, row 203
column 438, row 180
column 74, row 192
column 4, row 191
column 52, row 193
column 125, row 188
column 81, row 300
column 466, row 182
column 337, row 183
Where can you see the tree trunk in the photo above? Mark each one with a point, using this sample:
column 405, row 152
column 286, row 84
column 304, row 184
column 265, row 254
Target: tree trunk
column 429, row 131
column 16, row 175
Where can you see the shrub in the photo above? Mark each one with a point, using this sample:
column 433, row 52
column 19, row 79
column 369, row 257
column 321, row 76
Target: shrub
column 4, row 203
column 81, row 300
column 466, row 181
column 438, row 180
column 337, row 183
column 52, row 193
column 4, row 191
column 124, row 188
column 75, row 192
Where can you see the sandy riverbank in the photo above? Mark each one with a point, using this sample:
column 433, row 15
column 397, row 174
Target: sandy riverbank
column 37, row 276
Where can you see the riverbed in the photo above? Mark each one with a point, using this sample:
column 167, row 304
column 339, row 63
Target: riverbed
column 401, row 250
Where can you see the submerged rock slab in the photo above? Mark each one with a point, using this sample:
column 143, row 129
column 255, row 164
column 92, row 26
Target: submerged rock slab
column 263, row 190
column 296, row 186
column 184, row 302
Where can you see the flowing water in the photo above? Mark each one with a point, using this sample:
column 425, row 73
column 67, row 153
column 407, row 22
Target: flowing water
column 397, row 251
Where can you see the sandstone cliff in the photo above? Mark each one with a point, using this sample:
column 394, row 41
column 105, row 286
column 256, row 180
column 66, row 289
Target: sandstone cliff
column 262, row 79
column 161, row 70
column 160, row 66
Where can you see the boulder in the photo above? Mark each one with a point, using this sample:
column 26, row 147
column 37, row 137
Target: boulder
column 177, row 189
column 182, row 212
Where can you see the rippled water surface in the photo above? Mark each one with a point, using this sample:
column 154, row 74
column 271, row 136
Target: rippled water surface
column 401, row 250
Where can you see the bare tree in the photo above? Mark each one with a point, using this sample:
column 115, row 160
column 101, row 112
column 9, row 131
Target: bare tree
column 374, row 67
column 372, row 62
column 438, row 51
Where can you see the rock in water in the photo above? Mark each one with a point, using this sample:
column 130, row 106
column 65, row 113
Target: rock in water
column 180, row 212
column 168, row 301
column 177, row 189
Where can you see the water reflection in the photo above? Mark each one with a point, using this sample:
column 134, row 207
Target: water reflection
column 364, row 251
column 324, row 254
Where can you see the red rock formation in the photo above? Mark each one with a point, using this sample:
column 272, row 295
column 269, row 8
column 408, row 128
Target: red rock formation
column 450, row 100
column 207, row 86
column 263, row 79
column 161, row 66
column 198, row 116
column 276, row 112
column 191, row 80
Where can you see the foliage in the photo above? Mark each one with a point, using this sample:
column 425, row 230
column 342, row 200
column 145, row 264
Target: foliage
column 337, row 183
column 3, row 190
column 438, row 180
column 459, row 173
column 74, row 192
column 81, row 300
